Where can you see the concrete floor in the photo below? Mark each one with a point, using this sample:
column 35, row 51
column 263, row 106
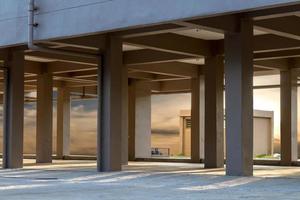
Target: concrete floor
column 141, row 180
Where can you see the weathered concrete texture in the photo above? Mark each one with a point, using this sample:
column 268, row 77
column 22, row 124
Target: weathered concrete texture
column 13, row 110
column 79, row 180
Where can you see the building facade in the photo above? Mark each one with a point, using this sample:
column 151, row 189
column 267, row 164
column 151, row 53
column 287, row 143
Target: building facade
column 121, row 51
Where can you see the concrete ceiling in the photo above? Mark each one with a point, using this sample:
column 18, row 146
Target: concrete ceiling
column 168, row 53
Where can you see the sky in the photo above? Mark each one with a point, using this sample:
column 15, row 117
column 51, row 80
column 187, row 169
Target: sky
column 165, row 116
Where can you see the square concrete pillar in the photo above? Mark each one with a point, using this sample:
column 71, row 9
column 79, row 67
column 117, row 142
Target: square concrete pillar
column 239, row 100
column 124, row 115
column 197, row 85
column 214, row 112
column 139, row 119
column 288, row 102
column 109, row 131
column 131, row 120
column 13, row 117
column 142, row 119
column 63, row 122
column 44, row 118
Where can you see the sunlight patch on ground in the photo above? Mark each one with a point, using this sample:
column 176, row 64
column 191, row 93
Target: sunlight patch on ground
column 222, row 185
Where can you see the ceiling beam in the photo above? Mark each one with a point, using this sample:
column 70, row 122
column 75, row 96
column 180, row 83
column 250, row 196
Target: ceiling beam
column 147, row 56
column 282, row 26
column 173, row 43
column 63, row 67
column 279, row 64
column 141, row 75
column 64, row 58
column 274, row 12
column 277, row 54
column 150, row 30
column 92, row 42
column 173, row 86
column 220, row 24
column 270, row 42
column 87, row 90
column 177, row 69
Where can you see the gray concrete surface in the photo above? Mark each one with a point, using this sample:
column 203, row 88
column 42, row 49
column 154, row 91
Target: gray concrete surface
column 59, row 18
column 141, row 180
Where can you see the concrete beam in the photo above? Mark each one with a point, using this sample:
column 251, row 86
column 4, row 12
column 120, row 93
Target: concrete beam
column 151, row 30
column 62, row 58
column 277, row 54
column 65, row 67
column 270, row 42
column 282, row 26
column 178, row 69
column 175, row 86
column 148, row 56
column 219, row 24
column 274, row 12
column 173, row 43
column 141, row 75
column 278, row 64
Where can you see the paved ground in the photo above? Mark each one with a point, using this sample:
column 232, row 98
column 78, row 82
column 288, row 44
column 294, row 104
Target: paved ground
column 79, row 180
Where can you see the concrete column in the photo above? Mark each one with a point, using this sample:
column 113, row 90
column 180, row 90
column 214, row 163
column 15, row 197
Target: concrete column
column 44, row 118
column 13, row 117
column 139, row 115
column 131, row 120
column 125, row 116
column 63, row 122
column 142, row 119
column 214, row 112
column 239, row 100
column 202, row 117
column 109, row 131
column 288, row 101
column 196, row 118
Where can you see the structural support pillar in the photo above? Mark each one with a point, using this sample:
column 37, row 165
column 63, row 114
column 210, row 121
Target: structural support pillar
column 214, row 112
column 196, row 118
column 131, row 120
column 13, row 117
column 124, row 115
column 143, row 119
column 239, row 100
column 140, row 120
column 63, row 122
column 109, row 131
column 288, row 101
column 44, row 118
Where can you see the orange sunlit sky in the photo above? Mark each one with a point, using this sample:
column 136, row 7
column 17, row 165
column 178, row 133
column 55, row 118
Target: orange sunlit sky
column 165, row 116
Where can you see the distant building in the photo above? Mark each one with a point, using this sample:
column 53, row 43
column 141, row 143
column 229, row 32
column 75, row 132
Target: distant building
column 263, row 131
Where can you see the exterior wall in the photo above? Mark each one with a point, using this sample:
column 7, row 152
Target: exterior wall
column 63, row 15
column 263, row 133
